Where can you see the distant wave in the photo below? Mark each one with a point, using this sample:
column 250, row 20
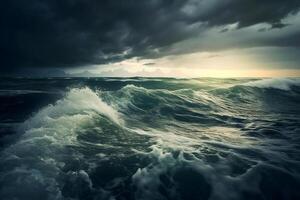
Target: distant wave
column 19, row 92
column 276, row 83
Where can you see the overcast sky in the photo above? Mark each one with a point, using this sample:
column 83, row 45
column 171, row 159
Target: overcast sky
column 167, row 37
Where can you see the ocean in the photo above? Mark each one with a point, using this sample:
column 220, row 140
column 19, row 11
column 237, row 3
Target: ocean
column 149, row 138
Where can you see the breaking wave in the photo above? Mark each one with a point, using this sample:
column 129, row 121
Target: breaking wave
column 33, row 164
column 276, row 83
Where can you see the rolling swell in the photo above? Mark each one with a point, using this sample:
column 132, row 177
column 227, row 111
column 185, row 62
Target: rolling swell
column 209, row 141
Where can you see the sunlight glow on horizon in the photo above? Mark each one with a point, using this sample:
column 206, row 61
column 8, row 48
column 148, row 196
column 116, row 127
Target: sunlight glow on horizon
column 231, row 63
column 193, row 73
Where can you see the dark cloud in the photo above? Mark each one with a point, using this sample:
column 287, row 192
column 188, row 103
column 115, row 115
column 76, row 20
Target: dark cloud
column 278, row 25
column 243, row 12
column 149, row 64
column 70, row 33
column 224, row 30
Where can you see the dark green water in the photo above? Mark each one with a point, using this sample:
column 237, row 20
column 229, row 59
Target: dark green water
column 141, row 138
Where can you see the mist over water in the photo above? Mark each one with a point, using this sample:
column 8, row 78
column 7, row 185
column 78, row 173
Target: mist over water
column 149, row 138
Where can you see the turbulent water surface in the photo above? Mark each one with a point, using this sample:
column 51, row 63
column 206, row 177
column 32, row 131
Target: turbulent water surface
column 140, row 138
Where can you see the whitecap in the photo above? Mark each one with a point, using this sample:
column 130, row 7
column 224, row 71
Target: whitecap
column 276, row 83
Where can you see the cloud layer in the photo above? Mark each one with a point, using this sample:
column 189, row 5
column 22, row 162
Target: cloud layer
column 71, row 33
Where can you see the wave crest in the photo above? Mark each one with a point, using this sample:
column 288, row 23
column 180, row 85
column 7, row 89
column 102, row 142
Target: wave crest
column 77, row 102
column 275, row 83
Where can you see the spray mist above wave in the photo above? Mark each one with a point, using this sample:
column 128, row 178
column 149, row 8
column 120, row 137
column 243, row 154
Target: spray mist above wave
column 276, row 83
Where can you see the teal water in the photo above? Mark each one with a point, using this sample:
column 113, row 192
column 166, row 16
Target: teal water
column 149, row 138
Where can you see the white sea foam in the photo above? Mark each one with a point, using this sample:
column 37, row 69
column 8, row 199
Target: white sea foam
column 147, row 179
column 276, row 83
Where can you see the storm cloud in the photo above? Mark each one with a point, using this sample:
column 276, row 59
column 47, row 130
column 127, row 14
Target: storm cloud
column 72, row 33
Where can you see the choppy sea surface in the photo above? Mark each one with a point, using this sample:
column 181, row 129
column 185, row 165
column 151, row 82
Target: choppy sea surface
column 149, row 139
